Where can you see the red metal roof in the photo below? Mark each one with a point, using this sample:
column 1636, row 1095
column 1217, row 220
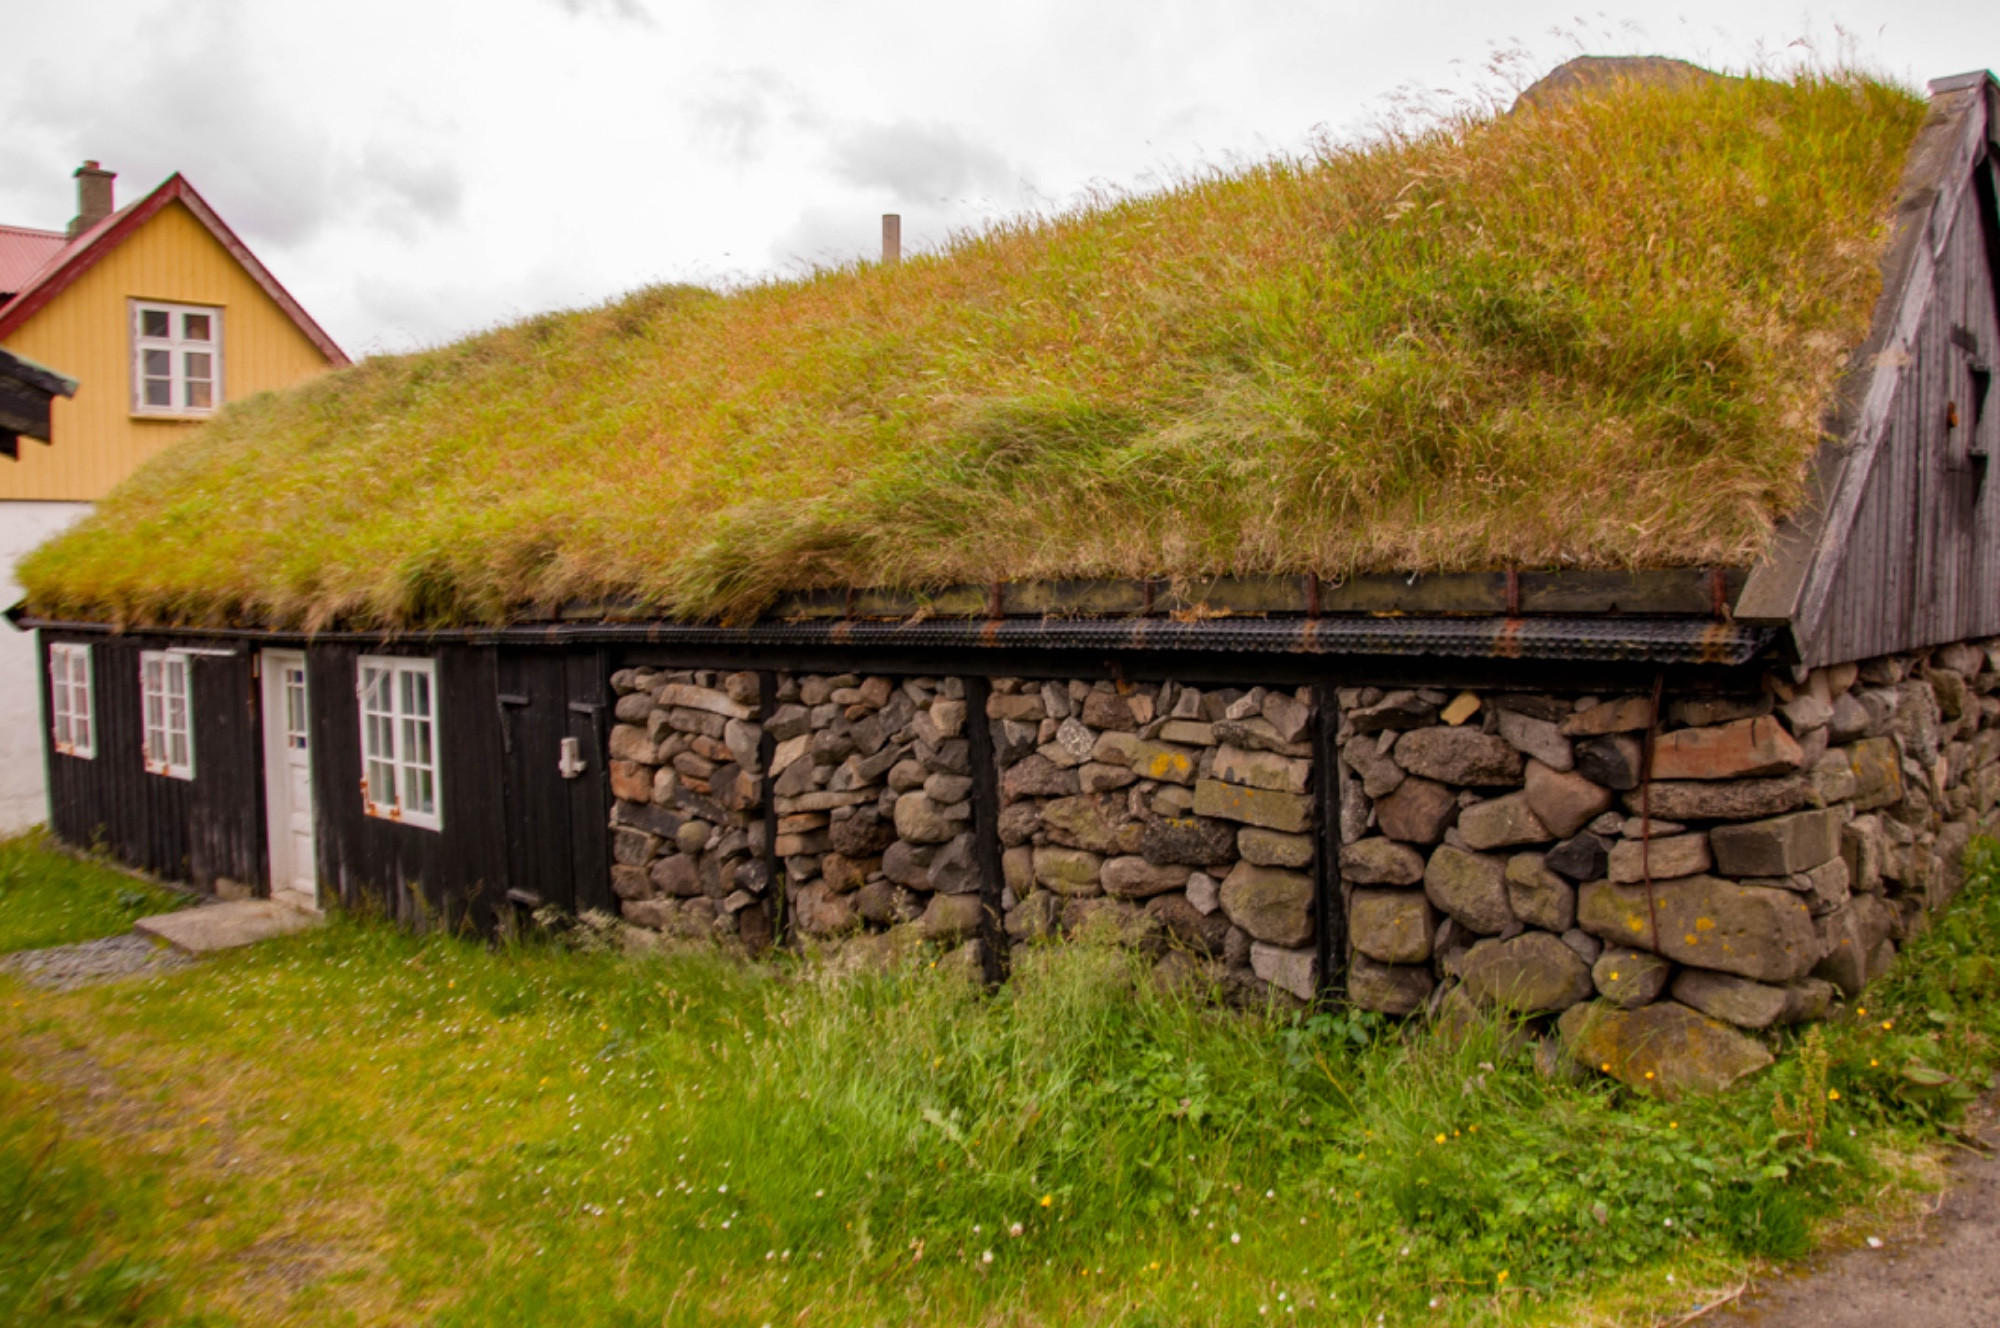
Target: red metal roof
column 70, row 261
column 23, row 253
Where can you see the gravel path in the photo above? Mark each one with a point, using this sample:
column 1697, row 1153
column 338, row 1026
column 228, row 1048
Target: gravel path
column 1945, row 1274
column 65, row 967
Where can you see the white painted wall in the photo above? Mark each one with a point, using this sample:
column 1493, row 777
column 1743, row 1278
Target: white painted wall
column 23, row 798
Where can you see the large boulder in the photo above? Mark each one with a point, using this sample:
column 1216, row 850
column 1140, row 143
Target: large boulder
column 1379, row 861
column 1731, row 800
column 1097, row 822
column 1417, row 812
column 1632, row 860
column 1203, row 933
column 1287, row 812
column 1459, row 756
column 1750, row 930
column 1534, row 973
column 1133, row 877
column 1739, row 750
column 1293, row 971
column 1564, row 801
column 1194, row 841
column 1731, row 999
column 1388, row 988
column 1068, row 871
column 1393, row 926
column 1501, row 822
column 1268, row 848
column 1878, row 773
column 1471, row 888
column 820, row 911
column 1665, row 1047
column 1630, row 978
column 1779, row 846
column 951, row 918
column 1538, row 896
column 1272, row 905
column 922, row 821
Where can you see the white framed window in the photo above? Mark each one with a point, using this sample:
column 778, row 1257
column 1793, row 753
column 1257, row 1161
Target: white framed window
column 72, row 716
column 399, row 740
column 176, row 359
column 164, row 687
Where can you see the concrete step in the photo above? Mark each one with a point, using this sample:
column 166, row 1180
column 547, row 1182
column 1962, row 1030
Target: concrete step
column 225, row 926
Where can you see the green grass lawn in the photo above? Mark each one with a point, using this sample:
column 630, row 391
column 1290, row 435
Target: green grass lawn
column 48, row 897
column 362, row 1126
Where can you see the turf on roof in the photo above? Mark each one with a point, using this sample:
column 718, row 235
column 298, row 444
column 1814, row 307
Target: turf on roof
column 1599, row 334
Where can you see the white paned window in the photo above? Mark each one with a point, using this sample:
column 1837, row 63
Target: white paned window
column 176, row 359
column 72, row 718
column 164, row 687
column 399, row 740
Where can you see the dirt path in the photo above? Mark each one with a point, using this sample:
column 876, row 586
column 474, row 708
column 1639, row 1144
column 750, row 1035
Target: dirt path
column 1944, row 1274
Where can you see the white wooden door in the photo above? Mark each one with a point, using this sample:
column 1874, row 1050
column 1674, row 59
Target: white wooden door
column 288, row 779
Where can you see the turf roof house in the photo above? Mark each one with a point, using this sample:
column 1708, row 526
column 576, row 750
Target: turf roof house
column 1413, row 789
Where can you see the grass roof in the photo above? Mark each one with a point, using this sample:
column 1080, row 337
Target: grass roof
column 1600, row 333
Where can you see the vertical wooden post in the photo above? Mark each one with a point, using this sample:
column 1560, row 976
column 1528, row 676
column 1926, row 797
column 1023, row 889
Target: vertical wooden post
column 986, row 830
column 1329, row 900
column 892, row 239
column 767, row 748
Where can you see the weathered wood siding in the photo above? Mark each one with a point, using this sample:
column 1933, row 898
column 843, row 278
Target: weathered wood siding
column 1921, row 565
column 202, row 830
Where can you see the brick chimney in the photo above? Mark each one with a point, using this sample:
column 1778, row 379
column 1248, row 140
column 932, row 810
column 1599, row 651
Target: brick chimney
column 93, row 197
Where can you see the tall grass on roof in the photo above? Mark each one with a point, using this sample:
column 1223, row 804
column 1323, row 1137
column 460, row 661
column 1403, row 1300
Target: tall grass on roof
column 1600, row 334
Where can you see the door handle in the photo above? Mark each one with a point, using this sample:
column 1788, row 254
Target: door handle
column 571, row 763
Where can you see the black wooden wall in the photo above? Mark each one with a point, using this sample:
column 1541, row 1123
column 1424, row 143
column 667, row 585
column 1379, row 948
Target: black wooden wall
column 558, row 837
column 202, row 830
column 455, row 874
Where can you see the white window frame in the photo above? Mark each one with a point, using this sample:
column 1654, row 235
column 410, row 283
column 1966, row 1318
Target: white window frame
column 177, row 347
column 72, row 703
column 166, row 712
column 397, row 698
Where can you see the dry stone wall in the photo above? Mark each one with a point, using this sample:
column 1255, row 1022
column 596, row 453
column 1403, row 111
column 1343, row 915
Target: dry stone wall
column 687, row 826
column 1497, row 849
column 1504, row 850
column 1179, row 817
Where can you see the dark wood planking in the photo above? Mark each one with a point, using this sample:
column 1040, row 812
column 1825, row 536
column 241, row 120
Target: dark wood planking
column 457, row 874
column 226, row 826
column 530, row 705
column 587, row 708
column 202, row 830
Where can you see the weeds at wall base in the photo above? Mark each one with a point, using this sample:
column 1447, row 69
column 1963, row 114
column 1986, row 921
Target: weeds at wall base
column 680, row 1139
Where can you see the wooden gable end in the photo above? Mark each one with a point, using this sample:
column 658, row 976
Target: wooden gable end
column 1899, row 546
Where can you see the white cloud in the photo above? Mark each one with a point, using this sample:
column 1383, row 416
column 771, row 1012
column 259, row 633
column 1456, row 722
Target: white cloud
column 416, row 171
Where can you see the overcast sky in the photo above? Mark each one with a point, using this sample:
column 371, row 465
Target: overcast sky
column 415, row 170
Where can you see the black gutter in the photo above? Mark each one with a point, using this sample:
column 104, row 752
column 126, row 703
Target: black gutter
column 1672, row 641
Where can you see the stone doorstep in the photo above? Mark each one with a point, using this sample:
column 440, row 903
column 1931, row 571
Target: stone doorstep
column 225, row 926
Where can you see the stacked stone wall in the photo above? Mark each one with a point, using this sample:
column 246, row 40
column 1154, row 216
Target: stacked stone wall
column 687, row 826
column 1179, row 817
column 1498, row 851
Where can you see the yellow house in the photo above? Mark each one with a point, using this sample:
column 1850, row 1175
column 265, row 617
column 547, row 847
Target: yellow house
column 161, row 314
